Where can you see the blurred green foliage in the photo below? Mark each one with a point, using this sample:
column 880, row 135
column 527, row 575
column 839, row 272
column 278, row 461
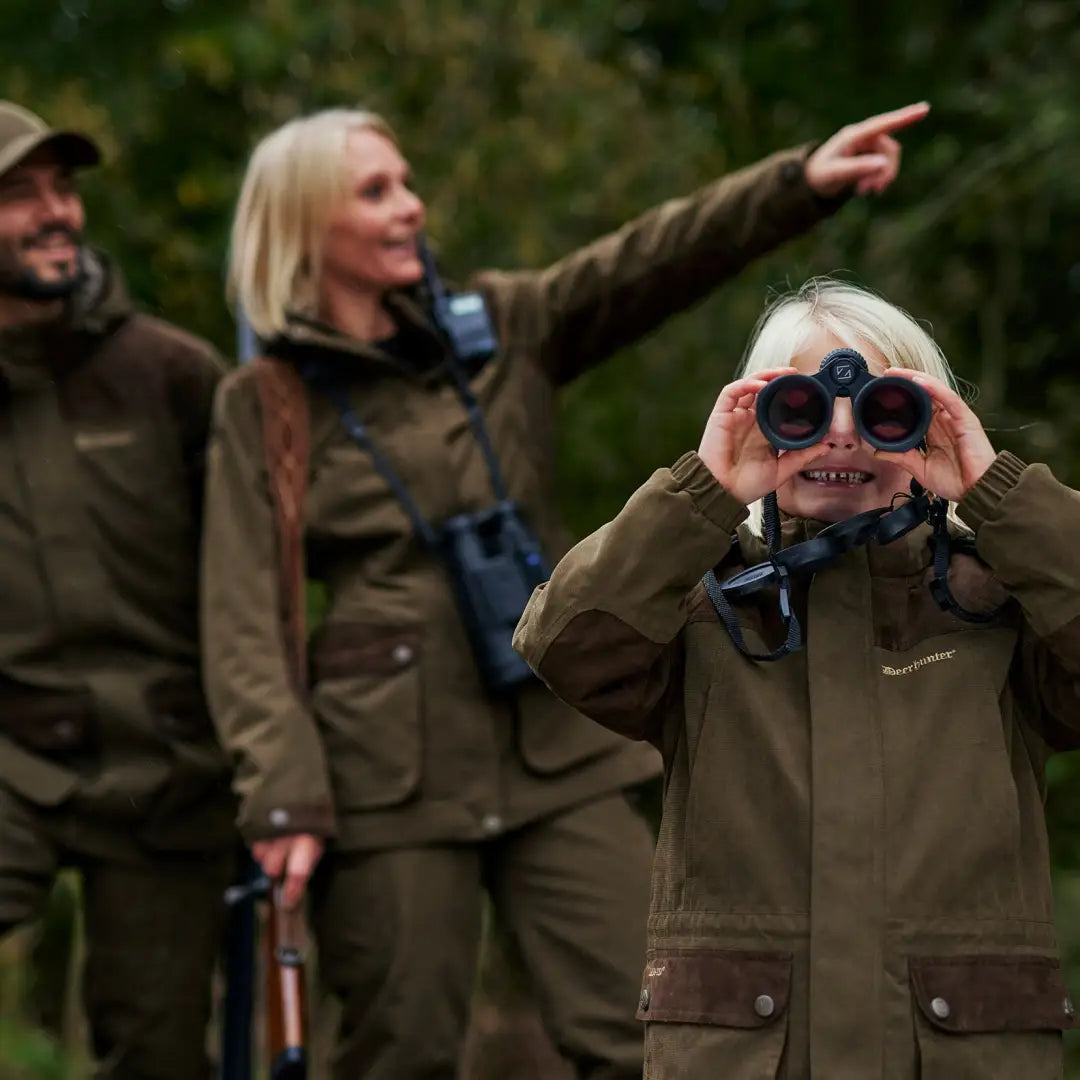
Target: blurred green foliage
column 534, row 125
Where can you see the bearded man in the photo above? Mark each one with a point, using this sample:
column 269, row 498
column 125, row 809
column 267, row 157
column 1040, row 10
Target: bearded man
column 108, row 760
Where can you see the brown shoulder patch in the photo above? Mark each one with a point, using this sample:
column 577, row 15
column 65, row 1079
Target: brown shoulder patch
column 611, row 672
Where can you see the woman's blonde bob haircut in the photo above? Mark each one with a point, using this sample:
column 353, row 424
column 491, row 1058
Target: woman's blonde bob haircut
column 856, row 317
column 293, row 181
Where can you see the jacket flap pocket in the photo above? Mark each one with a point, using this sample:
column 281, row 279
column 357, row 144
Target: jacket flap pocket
column 49, row 722
column 710, row 986
column 179, row 707
column 342, row 650
column 992, row 993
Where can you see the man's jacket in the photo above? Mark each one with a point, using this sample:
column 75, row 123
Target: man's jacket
column 103, row 423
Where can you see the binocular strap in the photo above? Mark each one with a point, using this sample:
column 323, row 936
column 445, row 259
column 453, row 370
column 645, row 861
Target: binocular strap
column 943, row 548
column 793, row 640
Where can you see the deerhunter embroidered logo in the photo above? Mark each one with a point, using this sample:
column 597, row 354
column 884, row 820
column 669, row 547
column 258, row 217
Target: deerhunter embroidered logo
column 907, row 669
column 103, row 440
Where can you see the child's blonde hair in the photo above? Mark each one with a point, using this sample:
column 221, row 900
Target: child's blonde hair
column 857, row 317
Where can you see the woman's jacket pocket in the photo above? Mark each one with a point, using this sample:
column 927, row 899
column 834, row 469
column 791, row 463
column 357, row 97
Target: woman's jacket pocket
column 983, row 1017
column 366, row 695
column 711, row 1012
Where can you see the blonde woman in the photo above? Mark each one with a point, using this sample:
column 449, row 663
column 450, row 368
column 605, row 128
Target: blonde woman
column 852, row 878
column 399, row 769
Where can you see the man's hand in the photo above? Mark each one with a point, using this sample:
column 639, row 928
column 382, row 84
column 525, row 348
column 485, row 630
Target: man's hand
column 863, row 155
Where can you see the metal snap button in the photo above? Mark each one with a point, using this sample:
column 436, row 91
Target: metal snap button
column 64, row 730
column 279, row 817
column 643, row 1001
column 1068, row 1008
column 764, row 1006
column 402, row 654
column 491, row 824
column 940, row 1008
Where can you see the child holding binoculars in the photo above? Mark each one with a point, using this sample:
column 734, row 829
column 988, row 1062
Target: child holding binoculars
column 852, row 875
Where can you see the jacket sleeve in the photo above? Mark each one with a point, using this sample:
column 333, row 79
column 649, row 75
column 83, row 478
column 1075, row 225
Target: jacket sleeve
column 614, row 291
column 194, row 378
column 605, row 632
column 1027, row 526
column 280, row 775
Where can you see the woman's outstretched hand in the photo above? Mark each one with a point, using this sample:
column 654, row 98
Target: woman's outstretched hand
column 863, row 155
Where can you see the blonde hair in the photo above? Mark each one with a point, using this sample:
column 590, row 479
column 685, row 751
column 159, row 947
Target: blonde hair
column 857, row 317
column 294, row 178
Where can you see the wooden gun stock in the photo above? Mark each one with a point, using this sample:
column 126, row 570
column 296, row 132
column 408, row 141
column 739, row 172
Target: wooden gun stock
column 286, row 992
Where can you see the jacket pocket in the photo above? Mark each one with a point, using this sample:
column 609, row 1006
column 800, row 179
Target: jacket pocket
column 54, row 723
column 981, row 1017
column 366, row 696
column 195, row 810
column 712, row 1012
column 179, row 710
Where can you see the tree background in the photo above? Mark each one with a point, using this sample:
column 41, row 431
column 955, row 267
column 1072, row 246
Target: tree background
column 535, row 125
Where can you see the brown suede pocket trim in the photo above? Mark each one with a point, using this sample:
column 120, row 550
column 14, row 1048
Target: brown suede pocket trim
column 47, row 722
column 341, row 650
column 728, row 988
column 179, row 708
column 992, row 993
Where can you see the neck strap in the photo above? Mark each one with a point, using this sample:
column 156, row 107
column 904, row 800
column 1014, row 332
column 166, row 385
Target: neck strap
column 335, row 386
column 942, row 546
column 884, row 525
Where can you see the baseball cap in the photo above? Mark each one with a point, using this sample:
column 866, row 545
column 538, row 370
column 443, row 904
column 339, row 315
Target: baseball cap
column 21, row 133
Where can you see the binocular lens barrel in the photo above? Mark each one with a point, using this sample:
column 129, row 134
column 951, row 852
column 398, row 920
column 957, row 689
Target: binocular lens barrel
column 890, row 413
column 798, row 411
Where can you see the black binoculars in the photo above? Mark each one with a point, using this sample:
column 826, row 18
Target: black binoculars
column 890, row 413
column 495, row 562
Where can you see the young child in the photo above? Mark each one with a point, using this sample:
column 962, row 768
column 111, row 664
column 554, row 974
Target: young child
column 852, row 877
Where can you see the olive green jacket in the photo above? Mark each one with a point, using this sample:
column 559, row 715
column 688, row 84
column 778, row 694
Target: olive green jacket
column 103, row 425
column 398, row 742
column 852, row 878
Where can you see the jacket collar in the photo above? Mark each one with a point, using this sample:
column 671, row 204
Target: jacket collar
column 910, row 554
column 31, row 355
column 306, row 338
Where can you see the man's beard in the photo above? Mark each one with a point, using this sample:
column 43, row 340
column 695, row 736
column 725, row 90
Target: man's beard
column 17, row 279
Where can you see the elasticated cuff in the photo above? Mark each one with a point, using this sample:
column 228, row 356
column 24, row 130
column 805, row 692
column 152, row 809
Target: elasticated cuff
column 711, row 499
column 981, row 502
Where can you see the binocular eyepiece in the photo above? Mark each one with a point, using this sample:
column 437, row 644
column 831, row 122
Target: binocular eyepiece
column 890, row 413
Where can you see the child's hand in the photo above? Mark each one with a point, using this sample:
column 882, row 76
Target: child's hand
column 958, row 451
column 735, row 450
